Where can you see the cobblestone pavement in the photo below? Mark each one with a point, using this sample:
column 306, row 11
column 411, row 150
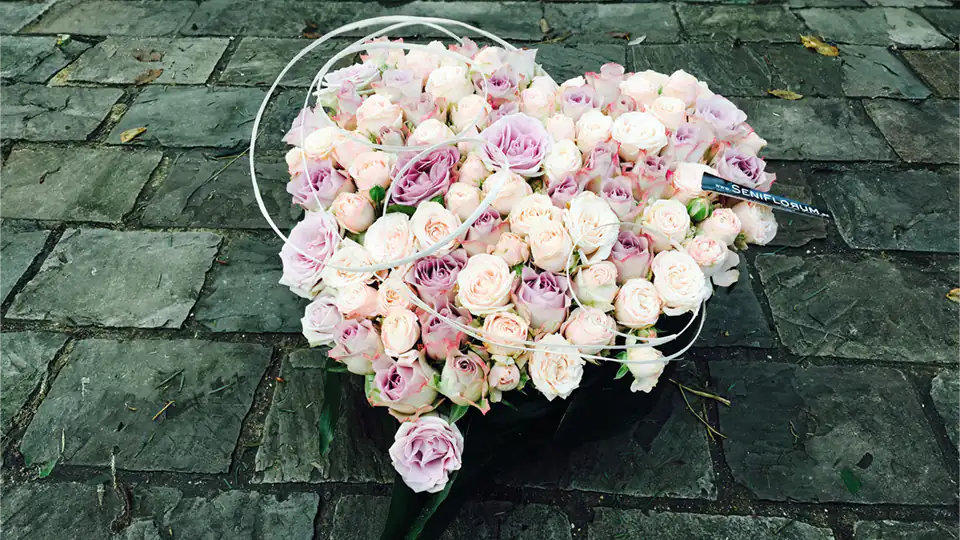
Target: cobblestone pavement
column 141, row 274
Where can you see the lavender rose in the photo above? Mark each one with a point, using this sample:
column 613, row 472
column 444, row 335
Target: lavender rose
column 517, row 142
column 622, row 105
column 398, row 84
column 502, row 85
column 318, row 186
column 618, row 193
column 318, row 236
column 304, row 124
column 360, row 75
column 543, row 299
column 403, row 385
column 464, row 379
column 435, row 278
column 485, row 231
column 744, row 169
column 721, row 115
column 651, row 175
column 320, row 320
column 603, row 161
column 565, row 190
column 440, row 337
column 576, row 100
column 425, row 452
column 506, row 109
column 631, row 254
column 358, row 346
column 419, row 109
column 687, row 143
column 426, row 178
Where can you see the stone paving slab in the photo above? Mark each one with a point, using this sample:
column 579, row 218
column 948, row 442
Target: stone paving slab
column 907, row 3
column 874, row 72
column 945, row 391
column 75, row 184
column 24, row 362
column 821, row 307
column 39, row 113
column 27, row 511
column 898, row 530
column 242, row 293
column 939, row 69
column 119, row 279
column 198, row 191
column 735, row 317
column 258, row 61
column 289, row 451
column 796, row 433
column 220, row 117
column 875, row 26
column 743, row 23
column 34, row 59
column 592, row 22
column 18, row 249
column 118, row 18
column 16, row 15
column 566, row 62
column 877, row 208
column 121, row 60
column 816, row 129
column 946, row 20
column 920, row 133
column 91, row 400
column 617, row 523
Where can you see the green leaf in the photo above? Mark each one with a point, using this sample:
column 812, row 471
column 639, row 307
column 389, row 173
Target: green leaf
column 438, row 199
column 624, row 369
column 337, row 369
column 850, row 480
column 508, row 404
column 402, row 208
column 48, row 467
column 457, row 412
column 330, row 411
column 432, row 503
column 405, row 506
column 377, row 194
column 517, row 269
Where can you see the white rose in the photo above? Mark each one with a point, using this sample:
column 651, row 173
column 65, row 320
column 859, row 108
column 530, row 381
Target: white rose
column 561, row 127
column 431, row 223
column 390, row 238
column 593, row 128
column 596, row 285
column 590, row 328
column 723, row 224
column 646, row 364
column 422, row 62
column 472, row 110
column 666, row 221
column 430, row 132
column 462, row 199
column 688, row 180
column 564, row 159
column 638, row 304
column 643, row 87
column 757, row 222
column 638, row 132
column 530, row 210
column 507, row 329
column 514, row 187
column 393, row 294
column 715, row 259
column 680, row 282
column 683, row 86
column 670, row 110
column 575, row 82
column 555, row 371
column 357, row 301
column 449, row 83
column 377, row 112
column 399, row 332
column 751, row 144
column 484, row 285
column 320, row 143
column 488, row 60
column 593, row 226
column 550, row 245
column 538, row 102
column 349, row 255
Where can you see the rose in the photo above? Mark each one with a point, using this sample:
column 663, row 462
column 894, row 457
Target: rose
column 646, row 364
column 378, row 112
column 503, row 377
column 751, row 144
column 638, row 304
column 358, row 346
column 319, row 144
column 506, row 109
column 538, row 102
column 721, row 115
column 683, row 86
column 400, row 331
column 607, row 82
column 389, row 238
column 603, row 161
column 347, row 150
column 464, row 379
column 488, row 59
column 484, row 285
column 320, row 319
column 531, row 210
column 353, row 211
column 440, row 337
column 593, row 128
column 511, row 248
column 670, row 110
column 564, row 159
column 517, row 142
column 715, row 259
column 651, row 178
column 349, row 255
column 744, row 169
column 699, row 208
column 318, row 186
column 757, row 222
column 462, row 199
column 643, row 87
column 391, row 136
column 688, row 143
column 307, row 121
column 317, row 236
column 590, row 328
column 484, row 232
column 297, row 161
column 431, row 224
column 422, row 62
column 561, row 128
column 383, row 57
column 501, row 85
column 596, row 285
column 631, row 254
column 550, row 245
column 679, row 281
column 357, row 301
column 419, row 109
column 618, row 193
column 543, row 299
column 345, row 100
column 666, row 221
column 688, row 181
column 638, row 132
column 576, row 100
column 470, row 111
column 564, row 191
column 403, row 385
column 513, row 188
column 555, row 371
column 359, row 75
column 723, row 224
column 449, row 84
column 620, row 106
column 593, row 226
column 371, row 169
column 391, row 295
column 575, row 82
column 503, row 329
column 425, row 452
column 429, row 133
column 434, row 277
column 425, row 178
column 398, row 84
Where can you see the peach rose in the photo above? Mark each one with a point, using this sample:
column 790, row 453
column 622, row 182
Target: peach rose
column 757, row 222
column 723, row 224
column 514, row 187
column 564, row 159
column 511, row 248
column 393, row 294
column 430, row 132
column 643, row 87
column 638, row 304
column 715, row 259
column 593, row 128
column 596, row 285
column 371, row 169
column 378, row 112
column 400, row 331
column 357, row 301
column 679, row 282
column 670, row 110
column 349, row 255
column 462, row 199
column 473, row 171
column 550, row 245
column 646, row 364
column 593, row 226
column 449, row 83
column 470, row 111
column 530, row 210
column 432, row 223
column 507, row 329
column 687, row 180
column 484, row 285
column 555, row 371
column 353, row 211
column 665, row 221
column 320, row 143
column 590, row 328
column 638, row 133
column 390, row 238
column 683, row 86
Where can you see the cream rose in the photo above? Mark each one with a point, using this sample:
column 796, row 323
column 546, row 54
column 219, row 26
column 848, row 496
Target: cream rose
column 489, row 59
column 530, row 210
column 715, row 259
column 349, row 255
column 723, row 224
column 593, row 128
column 462, row 199
column 377, row 112
column 683, row 86
column 680, row 282
column 638, row 304
column 347, row 150
column 504, row 328
column 561, row 128
column 357, row 301
column 472, row 110
column 665, row 221
column 550, row 245
column 590, row 328
column 431, row 223
column 757, row 222
column 473, row 172
column 596, row 285
column 320, row 143
column 671, row 111
column 449, row 83
column 514, row 187
column 751, row 144
column 399, row 331
column 504, row 377
column 371, row 169
column 638, row 132
column 564, row 159
column 688, row 180
column 593, row 226
column 422, row 62
column 646, row 364
column 643, row 87
column 484, row 285
column 555, row 371
column 538, row 102
column 390, row 238
column 430, row 132
column 353, row 211
column 393, row 294
column 512, row 248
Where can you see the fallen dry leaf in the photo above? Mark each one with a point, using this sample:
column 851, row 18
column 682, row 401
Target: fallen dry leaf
column 310, row 30
column 785, row 94
column 148, row 76
column 131, row 134
column 954, row 295
column 544, row 26
column 149, row 55
column 619, row 35
column 817, row 44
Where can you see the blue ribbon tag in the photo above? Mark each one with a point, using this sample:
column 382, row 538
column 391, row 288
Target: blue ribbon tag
column 723, row 187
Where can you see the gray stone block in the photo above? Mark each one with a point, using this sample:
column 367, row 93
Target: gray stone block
column 79, row 514
column 744, row 23
column 39, row 113
column 872, row 309
column 829, row 434
column 947, row 20
column 24, row 362
column 34, row 59
column 105, row 398
column 939, row 69
column 920, row 133
column 945, row 391
column 592, row 22
column 871, row 72
column 258, row 61
column 899, row 530
column 119, row 18
column 564, row 62
column 18, row 249
column 617, row 523
column 875, row 26
column 735, row 317
column 15, row 15
column 907, row 3
column 119, row 279
column 796, row 230
column 75, row 184
column 119, row 60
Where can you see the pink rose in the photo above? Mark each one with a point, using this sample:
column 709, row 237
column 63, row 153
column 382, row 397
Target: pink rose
column 428, row 176
column 517, row 142
column 464, row 379
column 577, row 100
column 403, row 385
column 620, row 106
column 757, row 222
column 473, row 171
column 744, row 169
column 378, row 112
column 638, row 304
column 462, row 199
column 318, row 236
column 688, row 143
column 357, row 301
column 561, row 128
column 603, row 161
column 371, row 169
column 566, row 189
column 400, row 331
column 651, row 179
column 618, row 193
column 751, row 144
column 353, row 211
column 501, row 85
column 358, row 346
column 502, row 329
column 485, row 231
column 318, row 186
column 721, row 115
column 320, row 320
column 596, row 285
column 307, row 121
column 715, row 259
column 590, row 328
column 631, row 254
column 723, row 224
column 511, row 248
column 425, row 452
column 543, row 299
column 439, row 336
column 346, row 151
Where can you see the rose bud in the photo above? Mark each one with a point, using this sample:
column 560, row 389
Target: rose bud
column 699, row 209
column 646, row 365
column 473, row 171
column 503, row 378
column 511, row 248
column 353, row 211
